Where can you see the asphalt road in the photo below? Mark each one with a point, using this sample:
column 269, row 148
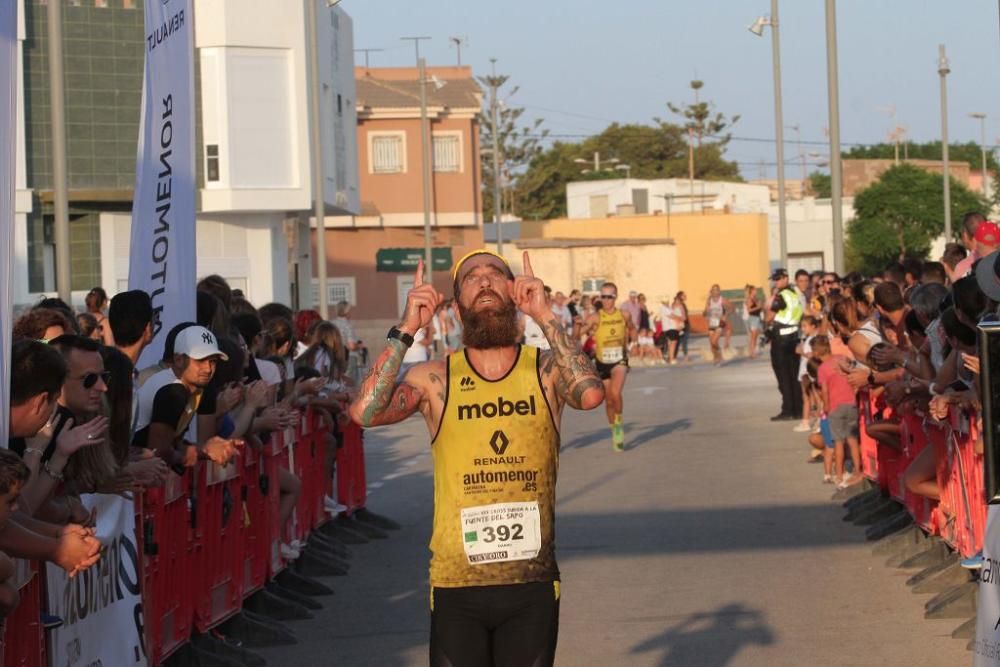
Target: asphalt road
column 709, row 541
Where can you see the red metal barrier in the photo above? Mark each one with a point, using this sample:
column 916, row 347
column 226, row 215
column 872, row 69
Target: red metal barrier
column 168, row 561
column 24, row 637
column 960, row 478
column 867, row 408
column 310, row 467
column 259, row 516
column 351, row 483
column 913, row 440
column 218, row 553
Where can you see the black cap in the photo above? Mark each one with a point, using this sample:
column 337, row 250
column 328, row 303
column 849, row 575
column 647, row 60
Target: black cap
column 778, row 274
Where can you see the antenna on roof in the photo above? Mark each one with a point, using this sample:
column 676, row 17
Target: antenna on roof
column 459, row 42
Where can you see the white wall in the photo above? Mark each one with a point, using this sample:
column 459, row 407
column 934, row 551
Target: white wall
column 249, row 250
column 255, row 97
column 739, row 197
column 809, row 228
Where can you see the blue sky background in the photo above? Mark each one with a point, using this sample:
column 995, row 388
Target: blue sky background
column 583, row 64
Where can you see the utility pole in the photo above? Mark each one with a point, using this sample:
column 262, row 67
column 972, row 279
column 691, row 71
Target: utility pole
column 319, row 180
column 60, row 186
column 981, row 117
column 496, row 155
column 690, row 167
column 943, row 71
column 366, row 52
column 780, row 130
column 833, row 101
column 425, row 171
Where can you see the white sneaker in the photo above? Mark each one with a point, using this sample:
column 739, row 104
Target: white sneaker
column 332, row 506
column 288, row 552
column 802, row 427
column 298, row 545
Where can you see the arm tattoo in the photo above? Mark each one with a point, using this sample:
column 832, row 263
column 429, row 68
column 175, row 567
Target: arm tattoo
column 436, row 379
column 574, row 372
column 381, row 400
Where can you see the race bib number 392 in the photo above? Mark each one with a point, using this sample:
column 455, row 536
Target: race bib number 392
column 612, row 355
column 501, row 532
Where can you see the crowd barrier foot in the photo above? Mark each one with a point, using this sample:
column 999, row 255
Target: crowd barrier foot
column 956, row 602
column 366, row 529
column 228, row 648
column 328, row 543
column 328, row 552
column 937, row 553
column 256, row 631
column 294, row 581
column 907, row 550
column 938, row 577
column 338, row 531
column 190, row 655
column 965, row 631
column 892, row 531
column 862, row 498
column 275, row 588
column 872, row 514
column 853, row 490
column 868, row 501
column 311, row 564
column 367, row 516
column 276, row 608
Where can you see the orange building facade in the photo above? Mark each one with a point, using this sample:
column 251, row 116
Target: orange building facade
column 370, row 256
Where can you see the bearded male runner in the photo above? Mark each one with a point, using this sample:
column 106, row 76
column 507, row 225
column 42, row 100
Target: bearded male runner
column 493, row 412
column 613, row 330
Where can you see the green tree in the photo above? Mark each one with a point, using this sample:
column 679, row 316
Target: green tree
column 820, row 185
column 519, row 144
column 700, row 119
column 900, row 215
column 969, row 152
column 650, row 151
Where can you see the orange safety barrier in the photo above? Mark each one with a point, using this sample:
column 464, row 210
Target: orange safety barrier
column 168, row 560
column 24, row 637
column 218, row 554
column 868, row 407
column 209, row 539
column 352, row 489
column 913, row 440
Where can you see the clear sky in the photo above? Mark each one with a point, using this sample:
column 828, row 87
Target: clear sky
column 582, row 63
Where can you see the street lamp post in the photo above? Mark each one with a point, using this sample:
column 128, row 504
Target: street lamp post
column 757, row 28
column 833, row 102
column 319, row 197
column 425, row 170
column 943, row 71
column 981, row 117
column 596, row 161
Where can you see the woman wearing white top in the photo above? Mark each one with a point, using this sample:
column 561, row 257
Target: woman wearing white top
column 717, row 309
column 672, row 319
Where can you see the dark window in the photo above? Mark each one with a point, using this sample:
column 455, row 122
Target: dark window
column 212, row 162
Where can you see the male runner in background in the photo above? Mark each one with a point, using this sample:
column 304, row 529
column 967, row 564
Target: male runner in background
column 612, row 330
column 493, row 412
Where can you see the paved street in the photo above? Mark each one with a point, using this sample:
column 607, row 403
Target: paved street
column 709, row 542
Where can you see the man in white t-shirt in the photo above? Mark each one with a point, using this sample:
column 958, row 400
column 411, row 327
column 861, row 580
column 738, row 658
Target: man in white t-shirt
column 561, row 310
column 533, row 334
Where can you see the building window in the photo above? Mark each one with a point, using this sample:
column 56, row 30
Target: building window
column 340, row 105
column 337, row 290
column 447, row 152
column 592, row 285
column 387, row 153
column 212, row 162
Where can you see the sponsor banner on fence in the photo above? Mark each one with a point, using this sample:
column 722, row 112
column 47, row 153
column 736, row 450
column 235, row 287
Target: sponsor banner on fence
column 101, row 607
column 8, row 148
column 987, row 646
column 162, row 252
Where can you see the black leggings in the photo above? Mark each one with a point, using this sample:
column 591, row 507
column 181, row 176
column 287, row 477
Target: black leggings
column 501, row 626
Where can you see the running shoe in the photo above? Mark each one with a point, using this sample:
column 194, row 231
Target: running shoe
column 618, row 437
column 288, row 552
column 802, row 427
column 50, row 622
column 332, row 506
column 973, row 562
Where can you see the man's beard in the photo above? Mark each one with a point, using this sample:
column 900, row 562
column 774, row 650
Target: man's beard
column 490, row 327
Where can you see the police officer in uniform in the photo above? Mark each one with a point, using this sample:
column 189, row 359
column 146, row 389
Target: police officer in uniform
column 784, row 313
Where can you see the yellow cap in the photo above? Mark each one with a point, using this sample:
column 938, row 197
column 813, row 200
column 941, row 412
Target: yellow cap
column 473, row 253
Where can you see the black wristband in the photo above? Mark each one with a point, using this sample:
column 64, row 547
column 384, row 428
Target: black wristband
column 403, row 337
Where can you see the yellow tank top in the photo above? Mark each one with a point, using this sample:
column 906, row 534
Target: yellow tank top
column 496, row 455
column 609, row 339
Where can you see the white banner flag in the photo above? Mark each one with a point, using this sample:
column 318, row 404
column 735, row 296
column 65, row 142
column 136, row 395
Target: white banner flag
column 8, row 148
column 987, row 646
column 101, row 607
column 162, row 252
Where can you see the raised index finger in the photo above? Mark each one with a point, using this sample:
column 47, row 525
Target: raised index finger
column 418, row 279
column 527, row 266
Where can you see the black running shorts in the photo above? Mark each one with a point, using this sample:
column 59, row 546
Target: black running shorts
column 604, row 370
column 505, row 626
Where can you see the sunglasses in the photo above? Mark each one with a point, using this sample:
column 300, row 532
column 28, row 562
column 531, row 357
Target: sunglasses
column 90, row 379
column 829, row 282
column 609, row 296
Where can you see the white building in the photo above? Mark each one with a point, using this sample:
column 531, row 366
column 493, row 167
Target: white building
column 255, row 197
column 628, row 196
column 809, row 225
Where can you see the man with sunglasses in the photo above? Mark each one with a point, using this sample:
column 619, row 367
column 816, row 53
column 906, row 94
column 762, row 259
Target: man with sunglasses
column 613, row 329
